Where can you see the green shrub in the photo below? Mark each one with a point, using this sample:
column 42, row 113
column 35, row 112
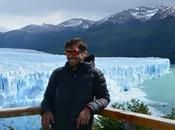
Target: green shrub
column 171, row 115
column 104, row 123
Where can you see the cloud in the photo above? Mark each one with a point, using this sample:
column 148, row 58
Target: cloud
column 17, row 13
column 41, row 7
column 11, row 22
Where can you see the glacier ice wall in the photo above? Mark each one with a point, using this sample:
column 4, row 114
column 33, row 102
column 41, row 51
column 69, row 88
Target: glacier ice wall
column 124, row 73
column 24, row 75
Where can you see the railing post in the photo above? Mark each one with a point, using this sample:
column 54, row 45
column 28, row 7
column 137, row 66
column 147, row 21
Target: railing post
column 129, row 126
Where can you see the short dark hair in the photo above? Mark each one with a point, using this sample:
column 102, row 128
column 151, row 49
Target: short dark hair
column 78, row 42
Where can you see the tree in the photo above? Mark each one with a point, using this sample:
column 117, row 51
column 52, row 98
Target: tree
column 104, row 123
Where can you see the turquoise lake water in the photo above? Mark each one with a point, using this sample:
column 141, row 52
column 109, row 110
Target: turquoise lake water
column 161, row 90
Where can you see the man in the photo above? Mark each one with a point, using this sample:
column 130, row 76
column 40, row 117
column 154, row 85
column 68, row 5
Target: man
column 75, row 92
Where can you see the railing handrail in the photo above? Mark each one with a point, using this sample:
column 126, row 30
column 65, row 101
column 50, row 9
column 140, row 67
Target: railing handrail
column 116, row 114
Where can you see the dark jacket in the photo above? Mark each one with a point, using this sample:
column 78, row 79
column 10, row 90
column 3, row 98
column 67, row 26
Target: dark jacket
column 69, row 92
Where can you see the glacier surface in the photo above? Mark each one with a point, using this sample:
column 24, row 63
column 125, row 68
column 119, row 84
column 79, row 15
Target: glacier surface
column 24, row 75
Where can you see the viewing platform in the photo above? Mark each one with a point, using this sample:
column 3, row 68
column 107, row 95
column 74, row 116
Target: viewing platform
column 131, row 119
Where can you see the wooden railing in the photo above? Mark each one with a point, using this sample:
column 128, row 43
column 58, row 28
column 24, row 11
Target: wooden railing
column 130, row 118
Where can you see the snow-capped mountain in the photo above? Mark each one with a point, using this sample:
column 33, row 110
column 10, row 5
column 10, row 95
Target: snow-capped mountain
column 39, row 28
column 165, row 11
column 143, row 13
column 75, row 24
column 119, row 18
column 139, row 13
column 149, row 30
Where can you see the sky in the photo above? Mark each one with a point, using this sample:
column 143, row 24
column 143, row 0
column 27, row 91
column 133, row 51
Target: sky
column 15, row 14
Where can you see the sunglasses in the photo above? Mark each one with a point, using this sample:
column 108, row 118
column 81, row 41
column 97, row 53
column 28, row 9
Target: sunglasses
column 72, row 52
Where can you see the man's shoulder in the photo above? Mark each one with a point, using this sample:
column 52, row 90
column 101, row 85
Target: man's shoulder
column 58, row 70
column 96, row 70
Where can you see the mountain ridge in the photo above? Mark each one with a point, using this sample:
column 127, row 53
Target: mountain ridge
column 139, row 32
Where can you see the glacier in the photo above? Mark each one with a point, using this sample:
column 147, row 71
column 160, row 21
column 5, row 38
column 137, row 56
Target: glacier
column 24, row 75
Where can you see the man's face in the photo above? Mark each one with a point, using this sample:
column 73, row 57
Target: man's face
column 74, row 55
